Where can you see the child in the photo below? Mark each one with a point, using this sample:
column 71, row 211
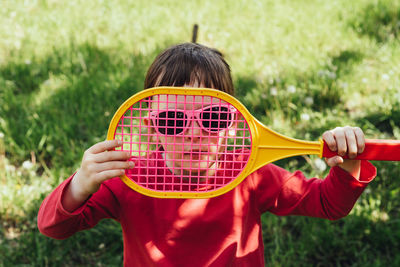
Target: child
column 221, row 231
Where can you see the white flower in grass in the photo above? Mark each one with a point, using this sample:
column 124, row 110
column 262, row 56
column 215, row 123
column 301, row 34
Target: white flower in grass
column 331, row 75
column 385, row 77
column 379, row 216
column 10, row 168
column 291, row 89
column 1, row 135
column 27, row 165
column 308, row 101
column 271, row 80
column 343, row 85
column 17, row 44
column 319, row 164
column 273, row 91
column 305, row 117
column 47, row 82
column 264, row 96
column 364, row 80
column 28, row 62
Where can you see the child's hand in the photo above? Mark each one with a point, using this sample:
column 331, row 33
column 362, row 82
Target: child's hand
column 348, row 141
column 98, row 165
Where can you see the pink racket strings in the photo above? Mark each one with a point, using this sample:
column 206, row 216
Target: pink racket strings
column 184, row 143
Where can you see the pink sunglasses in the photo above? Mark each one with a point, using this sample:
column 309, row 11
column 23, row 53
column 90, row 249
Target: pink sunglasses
column 212, row 119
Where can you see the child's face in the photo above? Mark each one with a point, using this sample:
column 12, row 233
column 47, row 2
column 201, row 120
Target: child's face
column 195, row 150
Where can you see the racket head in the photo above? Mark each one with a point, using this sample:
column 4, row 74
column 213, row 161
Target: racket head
column 200, row 172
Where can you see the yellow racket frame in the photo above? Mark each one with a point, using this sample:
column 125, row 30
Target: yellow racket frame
column 267, row 145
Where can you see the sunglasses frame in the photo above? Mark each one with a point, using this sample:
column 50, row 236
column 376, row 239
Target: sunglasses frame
column 190, row 114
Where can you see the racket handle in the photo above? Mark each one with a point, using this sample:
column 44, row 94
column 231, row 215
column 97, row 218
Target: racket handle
column 374, row 150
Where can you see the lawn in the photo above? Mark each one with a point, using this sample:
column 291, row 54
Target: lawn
column 300, row 66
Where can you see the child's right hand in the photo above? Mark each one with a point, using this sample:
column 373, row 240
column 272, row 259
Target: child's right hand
column 98, row 165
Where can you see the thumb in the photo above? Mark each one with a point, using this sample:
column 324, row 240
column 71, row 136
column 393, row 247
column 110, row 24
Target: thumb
column 334, row 161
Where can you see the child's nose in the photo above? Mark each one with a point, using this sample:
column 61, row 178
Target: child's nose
column 193, row 131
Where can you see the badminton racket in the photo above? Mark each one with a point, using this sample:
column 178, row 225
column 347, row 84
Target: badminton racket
column 201, row 143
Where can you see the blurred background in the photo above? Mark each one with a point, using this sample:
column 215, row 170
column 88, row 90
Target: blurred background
column 300, row 66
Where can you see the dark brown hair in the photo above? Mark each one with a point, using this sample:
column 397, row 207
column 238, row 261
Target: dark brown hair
column 188, row 63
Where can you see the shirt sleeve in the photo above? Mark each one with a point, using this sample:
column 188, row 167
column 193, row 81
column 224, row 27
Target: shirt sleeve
column 284, row 193
column 56, row 222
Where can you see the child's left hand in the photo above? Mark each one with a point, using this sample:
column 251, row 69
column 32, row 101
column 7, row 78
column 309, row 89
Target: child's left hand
column 348, row 141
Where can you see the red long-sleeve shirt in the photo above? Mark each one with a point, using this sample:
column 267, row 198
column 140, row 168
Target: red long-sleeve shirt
column 220, row 231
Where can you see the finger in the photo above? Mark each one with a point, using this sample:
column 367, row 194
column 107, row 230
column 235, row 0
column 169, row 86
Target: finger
column 104, row 146
column 108, row 174
column 360, row 139
column 330, row 140
column 334, row 161
column 111, row 156
column 351, row 142
column 113, row 165
column 340, row 141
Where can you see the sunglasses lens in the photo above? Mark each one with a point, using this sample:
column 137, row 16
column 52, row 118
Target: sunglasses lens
column 216, row 118
column 171, row 122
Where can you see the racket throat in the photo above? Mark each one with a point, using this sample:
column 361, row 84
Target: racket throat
column 272, row 146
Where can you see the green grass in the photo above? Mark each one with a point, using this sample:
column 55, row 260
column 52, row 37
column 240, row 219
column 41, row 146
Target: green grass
column 302, row 67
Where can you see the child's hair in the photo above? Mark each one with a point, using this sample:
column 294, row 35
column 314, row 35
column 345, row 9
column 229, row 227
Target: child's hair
column 188, row 63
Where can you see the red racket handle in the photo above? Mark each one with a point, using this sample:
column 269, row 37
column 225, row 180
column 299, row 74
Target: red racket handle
column 374, row 150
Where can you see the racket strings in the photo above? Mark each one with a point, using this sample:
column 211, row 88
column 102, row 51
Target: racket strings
column 184, row 143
